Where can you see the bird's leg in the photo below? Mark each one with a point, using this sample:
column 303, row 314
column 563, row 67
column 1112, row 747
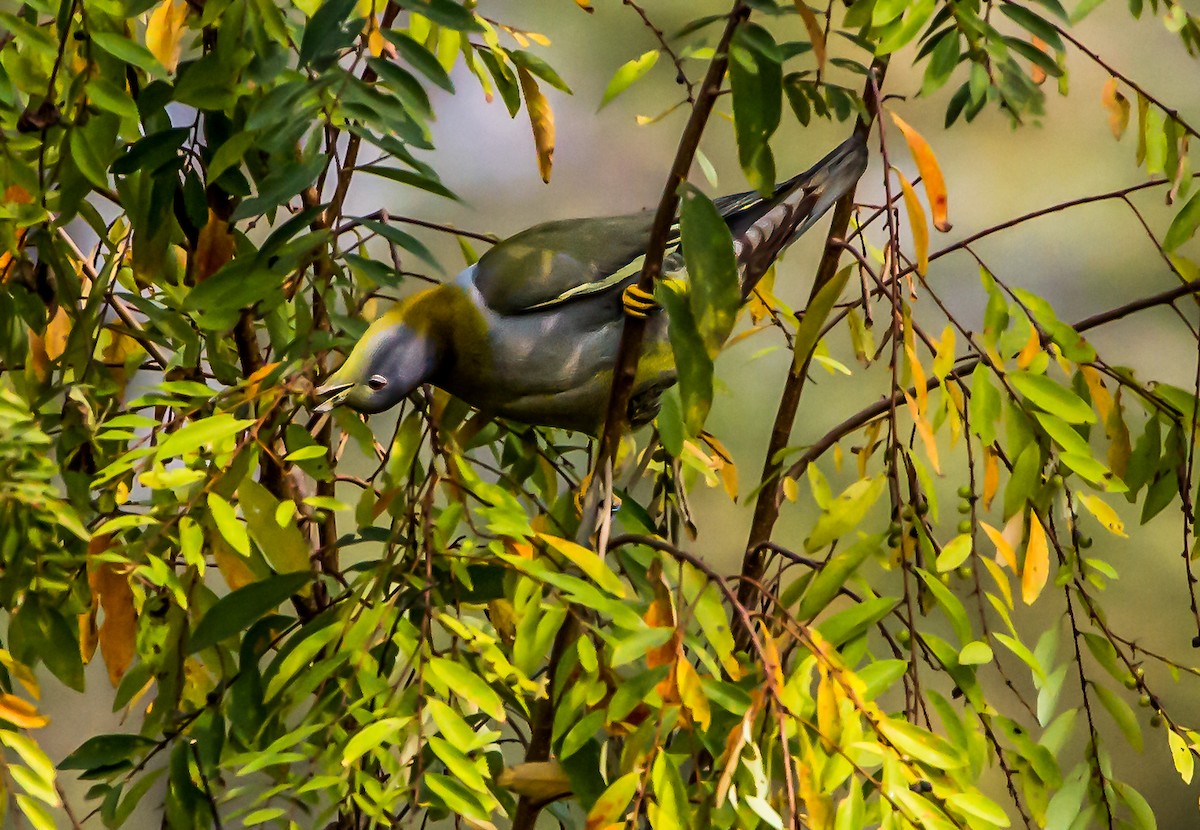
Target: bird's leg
column 638, row 303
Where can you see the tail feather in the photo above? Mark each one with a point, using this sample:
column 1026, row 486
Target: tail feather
column 762, row 228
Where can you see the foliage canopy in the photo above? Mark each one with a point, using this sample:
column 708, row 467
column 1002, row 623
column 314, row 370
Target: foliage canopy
column 298, row 644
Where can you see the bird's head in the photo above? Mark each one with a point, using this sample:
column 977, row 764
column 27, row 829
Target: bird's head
column 392, row 358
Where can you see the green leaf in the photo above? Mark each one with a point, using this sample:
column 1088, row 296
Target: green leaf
column 692, row 363
column 226, row 520
column 1052, row 397
column 975, row 805
column 975, row 653
column 756, row 79
column 284, row 546
column 984, row 408
column 1183, row 226
column 410, row 178
column 208, row 432
column 627, row 74
column 1124, row 717
column 950, row 604
column 129, row 51
column 468, row 685
column 633, row 646
column 112, row 98
column 532, row 63
column 106, row 750
column 921, row 745
column 372, row 735
column 420, row 58
column 846, row 625
column 954, row 553
column 846, row 512
column 834, row 574
column 714, row 291
column 235, row 611
column 1026, row 477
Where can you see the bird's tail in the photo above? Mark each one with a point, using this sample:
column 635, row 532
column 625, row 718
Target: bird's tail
column 762, row 228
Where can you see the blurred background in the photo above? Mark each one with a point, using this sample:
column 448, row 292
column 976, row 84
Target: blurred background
column 1083, row 260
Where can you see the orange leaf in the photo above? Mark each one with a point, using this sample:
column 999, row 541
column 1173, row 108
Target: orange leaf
column 1117, row 106
column 1037, row 561
column 214, row 247
column 1004, row 551
column 541, row 118
column 1031, row 349
column 931, row 174
column 164, row 32
column 118, row 630
column 991, row 477
column 1036, row 73
column 816, row 35
column 21, row 713
column 925, row 430
column 916, row 221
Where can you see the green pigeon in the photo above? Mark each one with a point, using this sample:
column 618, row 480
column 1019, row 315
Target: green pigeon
column 530, row 331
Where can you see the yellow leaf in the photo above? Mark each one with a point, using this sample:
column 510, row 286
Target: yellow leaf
column 586, row 5
column 1104, row 514
column 21, row 713
column 943, row 358
column 790, row 490
column 541, row 118
column 916, row 221
column 1101, row 397
column 919, row 380
column 926, row 432
column 991, row 477
column 538, row 38
column 691, row 694
column 1117, row 106
column 1181, row 755
column 931, row 174
column 1037, row 561
column 1119, row 447
column 1004, row 551
column 57, row 333
column 164, row 32
column 375, row 41
column 816, row 34
column 587, row 561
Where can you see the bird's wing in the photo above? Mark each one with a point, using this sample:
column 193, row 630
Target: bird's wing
column 560, row 261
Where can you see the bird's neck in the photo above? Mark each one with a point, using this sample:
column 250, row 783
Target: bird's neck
column 449, row 320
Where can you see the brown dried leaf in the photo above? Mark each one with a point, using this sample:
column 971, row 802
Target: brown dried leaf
column 541, row 118
column 931, row 173
column 991, row 477
column 539, row 780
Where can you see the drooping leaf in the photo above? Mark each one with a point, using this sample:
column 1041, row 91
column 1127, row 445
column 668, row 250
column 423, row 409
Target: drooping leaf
column 235, row 611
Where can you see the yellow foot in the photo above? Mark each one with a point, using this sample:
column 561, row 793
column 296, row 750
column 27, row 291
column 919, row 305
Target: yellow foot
column 638, row 303
column 582, row 491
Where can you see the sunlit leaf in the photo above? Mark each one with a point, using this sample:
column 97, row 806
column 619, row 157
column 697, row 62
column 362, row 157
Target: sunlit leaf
column 931, row 173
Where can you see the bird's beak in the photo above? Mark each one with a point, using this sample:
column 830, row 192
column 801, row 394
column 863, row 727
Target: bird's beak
column 333, row 394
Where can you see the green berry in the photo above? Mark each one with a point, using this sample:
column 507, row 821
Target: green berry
column 965, row 526
column 964, row 492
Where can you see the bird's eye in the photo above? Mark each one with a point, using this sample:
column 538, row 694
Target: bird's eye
column 377, row 382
